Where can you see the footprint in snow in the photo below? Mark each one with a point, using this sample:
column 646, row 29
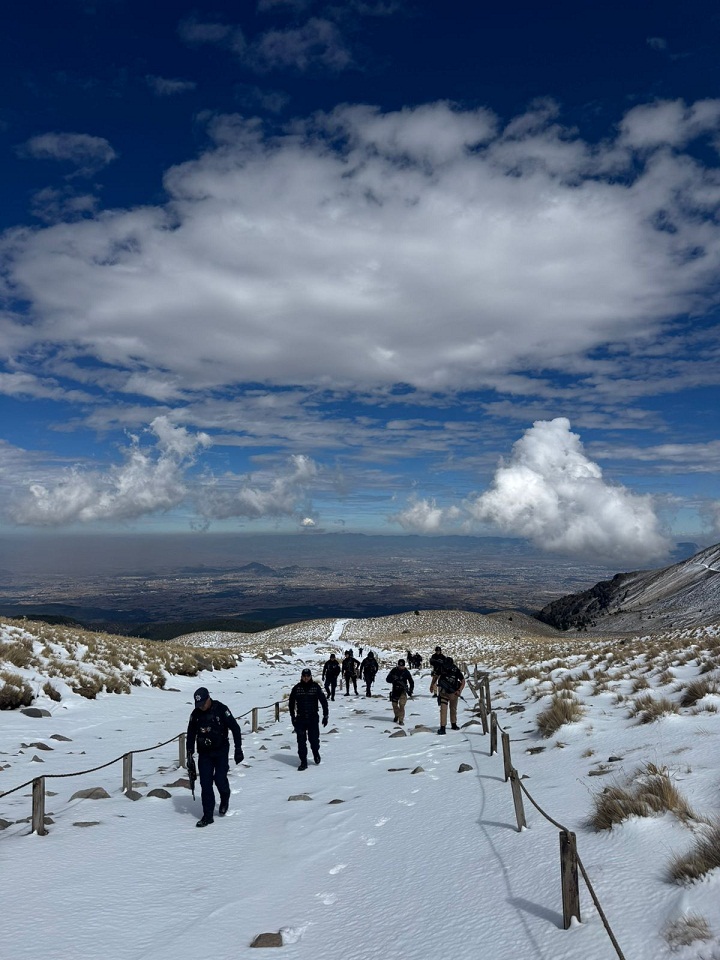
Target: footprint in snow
column 327, row 898
column 337, row 869
column 381, row 822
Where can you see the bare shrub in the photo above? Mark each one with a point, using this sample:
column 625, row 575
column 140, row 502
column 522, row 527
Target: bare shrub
column 14, row 691
column 686, row 930
column 561, row 710
column 648, row 708
column 700, row 860
column 50, row 691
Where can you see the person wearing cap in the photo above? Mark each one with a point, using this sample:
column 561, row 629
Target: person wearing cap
column 350, row 669
column 330, row 674
column 402, row 685
column 368, row 670
column 450, row 685
column 436, row 660
column 305, row 699
column 208, row 729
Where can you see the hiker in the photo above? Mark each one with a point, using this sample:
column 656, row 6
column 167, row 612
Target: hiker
column 305, row 698
column 416, row 661
column 368, row 670
column 330, row 674
column 360, row 650
column 350, row 668
column 402, row 685
column 436, row 660
column 208, row 727
column 450, row 685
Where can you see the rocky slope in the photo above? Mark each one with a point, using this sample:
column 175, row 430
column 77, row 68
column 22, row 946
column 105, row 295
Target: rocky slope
column 685, row 594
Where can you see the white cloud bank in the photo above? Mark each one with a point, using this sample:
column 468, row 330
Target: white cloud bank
column 281, row 495
column 551, row 494
column 88, row 153
column 430, row 246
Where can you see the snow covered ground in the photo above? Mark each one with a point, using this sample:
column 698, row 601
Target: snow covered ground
column 416, row 861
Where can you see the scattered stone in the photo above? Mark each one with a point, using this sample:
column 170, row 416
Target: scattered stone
column 36, row 759
column 600, row 772
column 515, row 708
column 534, row 749
column 133, row 795
column 399, row 733
column 464, row 767
column 4, row 824
column 35, row 712
column 335, row 801
column 267, row 940
column 420, row 728
column 359, row 711
column 418, row 770
column 86, row 823
column 182, row 782
column 285, row 747
column 139, row 783
column 171, row 689
column 160, row 793
column 91, row 793
column 262, row 747
column 286, row 653
column 397, row 769
column 300, row 796
column 40, row 746
column 615, row 759
column 334, row 730
column 59, row 736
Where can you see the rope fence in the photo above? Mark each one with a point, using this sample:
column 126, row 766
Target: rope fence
column 570, row 862
column 38, row 783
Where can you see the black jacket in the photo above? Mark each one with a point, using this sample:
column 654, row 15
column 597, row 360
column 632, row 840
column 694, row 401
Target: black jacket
column 368, row 668
column 401, row 680
column 436, row 662
column 304, row 701
column 331, row 670
column 350, row 667
column 210, row 729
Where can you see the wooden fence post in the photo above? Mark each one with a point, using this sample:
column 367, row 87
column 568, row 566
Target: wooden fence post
column 486, row 686
column 38, row 806
column 277, row 711
column 182, row 759
column 507, row 761
column 127, row 784
column 483, row 714
column 569, row 878
column 493, row 733
column 475, row 673
column 517, row 798
column 254, row 719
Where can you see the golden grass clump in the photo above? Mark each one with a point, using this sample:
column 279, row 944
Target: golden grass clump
column 700, row 860
column 14, row 692
column 687, row 930
column 561, row 710
column 696, row 690
column 648, row 709
column 652, row 793
column 18, row 652
column 52, row 692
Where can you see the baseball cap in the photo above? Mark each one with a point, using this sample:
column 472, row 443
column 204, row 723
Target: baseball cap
column 201, row 695
column 306, row 672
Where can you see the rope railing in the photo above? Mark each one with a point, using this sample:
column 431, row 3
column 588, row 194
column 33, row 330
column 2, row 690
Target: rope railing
column 38, row 783
column 570, row 861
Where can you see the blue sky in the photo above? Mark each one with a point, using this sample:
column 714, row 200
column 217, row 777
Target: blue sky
column 372, row 266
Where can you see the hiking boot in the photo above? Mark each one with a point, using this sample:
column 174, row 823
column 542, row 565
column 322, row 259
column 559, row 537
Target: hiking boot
column 441, row 730
column 303, row 765
column 455, row 727
column 224, row 804
column 316, row 757
column 205, row 822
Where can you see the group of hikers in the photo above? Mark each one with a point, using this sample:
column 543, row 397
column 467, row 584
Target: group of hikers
column 211, row 722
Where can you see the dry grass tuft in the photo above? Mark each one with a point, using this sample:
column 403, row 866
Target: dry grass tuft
column 562, row 710
column 686, row 930
column 696, row 690
column 700, row 860
column 648, row 708
column 50, row 691
column 652, row 793
column 14, row 691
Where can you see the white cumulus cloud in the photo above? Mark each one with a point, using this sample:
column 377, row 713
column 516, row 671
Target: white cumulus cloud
column 280, row 495
column 88, row 153
column 551, row 493
column 424, row 516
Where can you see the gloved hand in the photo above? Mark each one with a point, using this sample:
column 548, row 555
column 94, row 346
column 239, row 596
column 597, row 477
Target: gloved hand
column 191, row 768
column 324, row 721
column 239, row 755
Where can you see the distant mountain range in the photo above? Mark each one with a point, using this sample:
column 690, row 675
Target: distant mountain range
column 685, row 594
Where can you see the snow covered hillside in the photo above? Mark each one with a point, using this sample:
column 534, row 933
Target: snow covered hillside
column 386, row 849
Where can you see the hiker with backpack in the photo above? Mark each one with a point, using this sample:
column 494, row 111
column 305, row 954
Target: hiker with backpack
column 208, row 729
column 368, row 670
column 436, row 660
column 350, row 668
column 450, row 685
column 402, row 686
column 305, row 699
column 330, row 674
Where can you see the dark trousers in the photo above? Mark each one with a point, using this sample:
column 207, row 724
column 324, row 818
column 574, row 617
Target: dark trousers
column 330, row 685
column 368, row 684
column 348, row 681
column 307, row 728
column 212, row 767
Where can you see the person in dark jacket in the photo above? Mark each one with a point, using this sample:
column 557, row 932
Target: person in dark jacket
column 305, row 698
column 208, row 729
column 402, row 685
column 450, row 685
column 330, row 674
column 350, row 668
column 436, row 660
column 368, row 670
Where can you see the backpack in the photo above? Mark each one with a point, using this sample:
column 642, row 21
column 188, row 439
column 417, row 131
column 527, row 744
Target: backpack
column 450, row 678
column 398, row 688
